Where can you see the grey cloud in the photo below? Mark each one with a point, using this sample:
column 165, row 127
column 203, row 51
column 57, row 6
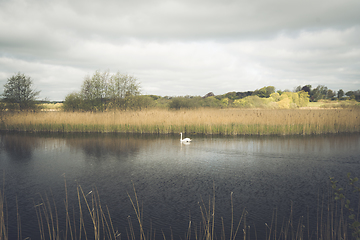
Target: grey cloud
column 188, row 20
column 182, row 47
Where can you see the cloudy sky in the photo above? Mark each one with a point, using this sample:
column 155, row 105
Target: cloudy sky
column 182, row 47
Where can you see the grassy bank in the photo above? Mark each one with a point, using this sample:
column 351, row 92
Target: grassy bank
column 199, row 121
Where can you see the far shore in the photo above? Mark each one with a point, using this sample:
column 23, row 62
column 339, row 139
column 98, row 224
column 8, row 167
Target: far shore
column 309, row 120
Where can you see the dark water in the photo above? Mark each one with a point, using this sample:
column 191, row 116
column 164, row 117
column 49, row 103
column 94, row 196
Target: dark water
column 172, row 179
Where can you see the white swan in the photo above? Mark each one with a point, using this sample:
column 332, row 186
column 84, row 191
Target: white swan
column 185, row 139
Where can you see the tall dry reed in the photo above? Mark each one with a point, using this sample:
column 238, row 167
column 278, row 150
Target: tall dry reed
column 205, row 121
column 3, row 216
column 331, row 222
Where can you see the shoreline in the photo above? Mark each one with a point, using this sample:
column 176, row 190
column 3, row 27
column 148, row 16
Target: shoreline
column 200, row 121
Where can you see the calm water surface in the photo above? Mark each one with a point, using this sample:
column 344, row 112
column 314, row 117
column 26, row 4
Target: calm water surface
column 171, row 178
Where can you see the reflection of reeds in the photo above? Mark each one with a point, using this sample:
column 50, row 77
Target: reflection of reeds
column 106, row 145
column 205, row 121
column 330, row 224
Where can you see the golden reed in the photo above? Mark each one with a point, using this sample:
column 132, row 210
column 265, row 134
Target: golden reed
column 204, row 121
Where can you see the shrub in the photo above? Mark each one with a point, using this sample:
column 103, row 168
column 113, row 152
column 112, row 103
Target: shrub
column 180, row 102
column 73, row 102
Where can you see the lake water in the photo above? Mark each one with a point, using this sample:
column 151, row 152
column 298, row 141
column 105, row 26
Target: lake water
column 262, row 173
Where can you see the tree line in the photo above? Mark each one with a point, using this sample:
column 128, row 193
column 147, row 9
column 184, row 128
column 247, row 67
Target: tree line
column 103, row 91
column 315, row 94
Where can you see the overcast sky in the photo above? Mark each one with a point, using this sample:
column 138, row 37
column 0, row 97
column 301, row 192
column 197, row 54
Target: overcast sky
column 182, row 47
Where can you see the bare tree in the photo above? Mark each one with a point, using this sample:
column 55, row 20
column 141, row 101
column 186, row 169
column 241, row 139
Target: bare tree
column 102, row 91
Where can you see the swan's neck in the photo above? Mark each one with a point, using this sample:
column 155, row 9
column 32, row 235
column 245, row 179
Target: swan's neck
column 180, row 136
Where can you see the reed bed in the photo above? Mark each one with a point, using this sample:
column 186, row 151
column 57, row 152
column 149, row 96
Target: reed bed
column 198, row 121
column 3, row 220
column 331, row 222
